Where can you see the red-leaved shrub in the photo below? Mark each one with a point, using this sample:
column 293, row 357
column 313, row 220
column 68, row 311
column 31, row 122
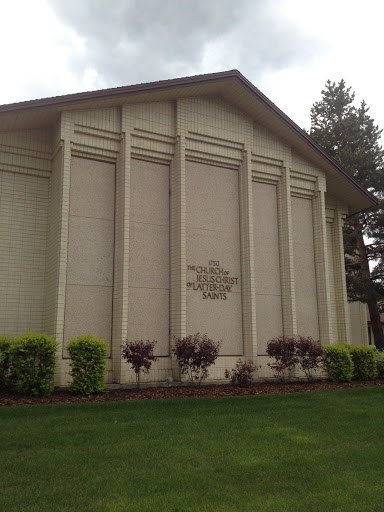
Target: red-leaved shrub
column 282, row 349
column 289, row 351
column 309, row 355
column 140, row 355
column 241, row 375
column 195, row 354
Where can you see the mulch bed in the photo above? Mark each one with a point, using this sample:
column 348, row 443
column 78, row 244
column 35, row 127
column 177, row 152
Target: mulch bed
column 62, row 396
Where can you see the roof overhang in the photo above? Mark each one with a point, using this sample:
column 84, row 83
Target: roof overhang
column 231, row 86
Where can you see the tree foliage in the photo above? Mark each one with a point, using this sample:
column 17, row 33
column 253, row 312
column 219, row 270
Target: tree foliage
column 349, row 134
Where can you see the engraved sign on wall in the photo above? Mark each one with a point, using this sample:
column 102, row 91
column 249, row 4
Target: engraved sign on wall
column 212, row 280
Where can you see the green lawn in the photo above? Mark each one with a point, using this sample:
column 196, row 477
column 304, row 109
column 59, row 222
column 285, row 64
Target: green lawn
column 307, row 452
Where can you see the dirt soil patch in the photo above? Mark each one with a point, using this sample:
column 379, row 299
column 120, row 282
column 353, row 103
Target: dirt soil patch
column 61, row 396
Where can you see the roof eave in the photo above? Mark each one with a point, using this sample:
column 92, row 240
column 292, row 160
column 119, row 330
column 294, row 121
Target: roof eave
column 60, row 102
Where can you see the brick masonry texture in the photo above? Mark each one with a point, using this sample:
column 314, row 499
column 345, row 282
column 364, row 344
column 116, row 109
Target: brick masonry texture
column 102, row 212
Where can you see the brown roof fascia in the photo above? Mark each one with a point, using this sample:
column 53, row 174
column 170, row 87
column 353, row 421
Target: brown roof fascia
column 117, row 92
column 163, row 85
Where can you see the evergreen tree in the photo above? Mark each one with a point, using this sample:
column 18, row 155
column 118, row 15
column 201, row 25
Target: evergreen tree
column 350, row 135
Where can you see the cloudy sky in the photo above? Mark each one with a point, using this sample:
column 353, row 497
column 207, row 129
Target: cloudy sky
column 286, row 48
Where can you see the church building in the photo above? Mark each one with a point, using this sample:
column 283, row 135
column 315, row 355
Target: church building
column 164, row 209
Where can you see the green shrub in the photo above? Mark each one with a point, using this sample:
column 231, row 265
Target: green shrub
column 6, row 373
column 33, row 360
column 379, row 357
column 89, row 361
column 364, row 362
column 338, row 363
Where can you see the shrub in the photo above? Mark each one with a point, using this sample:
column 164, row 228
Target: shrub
column 195, row 354
column 6, row 373
column 379, row 356
column 364, row 362
column 3, row 372
column 338, row 363
column 89, row 361
column 241, row 375
column 33, row 359
column 309, row 355
column 282, row 349
column 140, row 355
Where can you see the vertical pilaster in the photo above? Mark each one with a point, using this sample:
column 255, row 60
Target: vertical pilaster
column 342, row 308
column 66, row 135
column 121, row 264
column 178, row 288
column 321, row 263
column 286, row 253
column 247, row 256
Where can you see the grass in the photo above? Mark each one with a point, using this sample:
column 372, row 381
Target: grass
column 307, row 452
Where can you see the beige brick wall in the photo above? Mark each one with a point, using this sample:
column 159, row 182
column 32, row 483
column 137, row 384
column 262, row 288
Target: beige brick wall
column 24, row 190
column 291, row 270
column 23, row 234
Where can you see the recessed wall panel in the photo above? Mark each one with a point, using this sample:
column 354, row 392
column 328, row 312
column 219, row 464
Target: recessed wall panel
column 90, row 255
column 213, row 255
column 304, row 268
column 149, row 316
column 267, row 264
column 88, row 308
column 149, row 256
column 92, row 189
column 88, row 311
column 148, row 302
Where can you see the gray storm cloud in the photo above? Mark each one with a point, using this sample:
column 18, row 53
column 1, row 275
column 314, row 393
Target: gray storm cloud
column 132, row 41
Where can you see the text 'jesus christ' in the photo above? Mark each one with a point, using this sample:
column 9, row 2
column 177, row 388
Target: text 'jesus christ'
column 212, row 280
